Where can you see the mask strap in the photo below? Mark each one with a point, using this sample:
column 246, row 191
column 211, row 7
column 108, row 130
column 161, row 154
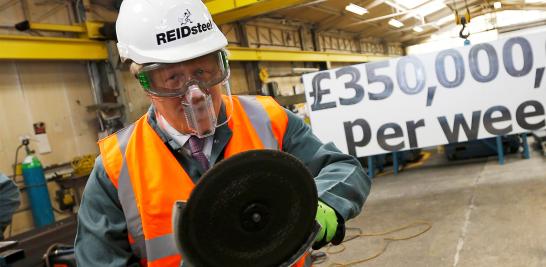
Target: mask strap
column 228, row 105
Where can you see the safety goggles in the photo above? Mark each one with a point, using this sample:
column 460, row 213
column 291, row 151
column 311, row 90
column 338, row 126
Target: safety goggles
column 174, row 79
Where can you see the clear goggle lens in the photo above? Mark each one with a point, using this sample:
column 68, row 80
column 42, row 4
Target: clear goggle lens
column 173, row 80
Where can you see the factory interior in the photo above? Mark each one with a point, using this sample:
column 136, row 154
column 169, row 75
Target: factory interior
column 418, row 126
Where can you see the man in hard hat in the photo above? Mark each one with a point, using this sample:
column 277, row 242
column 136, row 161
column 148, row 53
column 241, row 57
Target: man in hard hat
column 178, row 55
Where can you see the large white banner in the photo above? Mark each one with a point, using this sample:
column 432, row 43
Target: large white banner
column 451, row 96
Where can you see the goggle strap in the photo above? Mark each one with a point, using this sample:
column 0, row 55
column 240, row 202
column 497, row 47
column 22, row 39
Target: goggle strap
column 144, row 80
column 225, row 59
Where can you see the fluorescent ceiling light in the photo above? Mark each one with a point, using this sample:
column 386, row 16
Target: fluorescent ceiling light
column 356, row 9
column 396, row 23
column 417, row 29
column 497, row 5
column 445, row 20
column 535, row 1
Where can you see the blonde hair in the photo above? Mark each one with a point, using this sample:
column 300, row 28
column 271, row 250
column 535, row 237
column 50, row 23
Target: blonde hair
column 134, row 68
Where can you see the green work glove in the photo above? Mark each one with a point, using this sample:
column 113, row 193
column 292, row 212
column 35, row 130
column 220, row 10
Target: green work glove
column 327, row 219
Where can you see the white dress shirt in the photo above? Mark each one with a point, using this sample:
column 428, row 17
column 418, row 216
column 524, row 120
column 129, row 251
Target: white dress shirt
column 182, row 139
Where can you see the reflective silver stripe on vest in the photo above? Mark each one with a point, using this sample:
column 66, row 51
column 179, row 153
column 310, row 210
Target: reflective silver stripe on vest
column 127, row 197
column 308, row 260
column 260, row 120
column 161, row 247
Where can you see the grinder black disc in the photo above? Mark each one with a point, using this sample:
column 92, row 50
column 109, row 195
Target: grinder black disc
column 253, row 209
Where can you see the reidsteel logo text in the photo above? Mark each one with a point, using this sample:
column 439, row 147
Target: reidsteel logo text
column 184, row 31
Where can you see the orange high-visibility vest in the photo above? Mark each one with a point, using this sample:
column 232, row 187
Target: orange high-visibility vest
column 149, row 179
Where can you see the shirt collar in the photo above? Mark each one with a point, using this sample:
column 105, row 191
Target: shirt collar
column 222, row 133
column 174, row 134
column 164, row 136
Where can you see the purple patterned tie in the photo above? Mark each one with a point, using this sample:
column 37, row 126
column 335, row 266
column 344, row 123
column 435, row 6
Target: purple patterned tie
column 196, row 147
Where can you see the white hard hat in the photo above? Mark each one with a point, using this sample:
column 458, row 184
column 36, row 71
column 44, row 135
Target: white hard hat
column 166, row 31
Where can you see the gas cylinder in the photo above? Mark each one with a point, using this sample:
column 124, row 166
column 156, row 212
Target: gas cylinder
column 36, row 188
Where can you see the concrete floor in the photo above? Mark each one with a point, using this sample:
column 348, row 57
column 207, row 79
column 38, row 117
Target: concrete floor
column 482, row 214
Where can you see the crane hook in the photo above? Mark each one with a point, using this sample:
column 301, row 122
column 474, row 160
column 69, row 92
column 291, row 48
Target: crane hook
column 461, row 34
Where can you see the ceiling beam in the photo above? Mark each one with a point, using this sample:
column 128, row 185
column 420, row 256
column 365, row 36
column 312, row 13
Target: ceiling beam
column 384, row 17
column 473, row 4
column 329, row 22
column 519, row 26
column 316, row 2
column 230, row 11
column 278, row 55
column 475, row 11
column 373, row 4
column 325, row 10
column 218, row 6
column 409, row 15
column 383, row 27
column 449, row 10
column 338, row 16
column 18, row 47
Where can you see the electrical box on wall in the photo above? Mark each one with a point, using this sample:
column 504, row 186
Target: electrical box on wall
column 40, row 136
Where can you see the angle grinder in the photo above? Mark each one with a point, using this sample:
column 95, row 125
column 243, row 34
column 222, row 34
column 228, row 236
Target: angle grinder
column 256, row 208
